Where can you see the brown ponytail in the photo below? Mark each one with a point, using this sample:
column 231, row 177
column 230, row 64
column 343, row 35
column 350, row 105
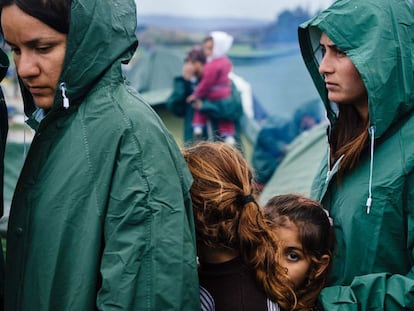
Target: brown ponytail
column 225, row 219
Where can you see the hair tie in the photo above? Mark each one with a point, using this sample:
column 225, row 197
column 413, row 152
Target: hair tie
column 244, row 199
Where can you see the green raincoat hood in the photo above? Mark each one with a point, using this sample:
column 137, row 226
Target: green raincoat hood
column 372, row 208
column 93, row 47
column 385, row 61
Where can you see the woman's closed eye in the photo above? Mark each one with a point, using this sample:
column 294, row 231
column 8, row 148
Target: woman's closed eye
column 44, row 49
column 338, row 51
column 15, row 50
column 332, row 48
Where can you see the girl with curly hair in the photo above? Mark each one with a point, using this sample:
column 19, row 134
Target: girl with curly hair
column 236, row 245
column 306, row 244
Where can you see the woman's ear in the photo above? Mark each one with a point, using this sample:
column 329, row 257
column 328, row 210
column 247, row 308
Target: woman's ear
column 323, row 264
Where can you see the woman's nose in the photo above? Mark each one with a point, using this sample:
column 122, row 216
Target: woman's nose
column 325, row 66
column 27, row 65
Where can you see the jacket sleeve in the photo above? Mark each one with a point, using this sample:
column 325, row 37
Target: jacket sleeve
column 176, row 102
column 149, row 259
column 207, row 82
column 230, row 108
column 380, row 291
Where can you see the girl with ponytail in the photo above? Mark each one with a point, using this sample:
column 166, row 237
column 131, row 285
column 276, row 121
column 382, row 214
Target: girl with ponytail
column 236, row 246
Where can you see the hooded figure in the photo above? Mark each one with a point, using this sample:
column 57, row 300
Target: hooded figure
column 222, row 43
column 372, row 201
column 101, row 216
column 215, row 85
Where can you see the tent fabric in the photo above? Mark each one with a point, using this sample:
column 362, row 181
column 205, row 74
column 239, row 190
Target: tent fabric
column 152, row 74
column 13, row 163
column 296, row 171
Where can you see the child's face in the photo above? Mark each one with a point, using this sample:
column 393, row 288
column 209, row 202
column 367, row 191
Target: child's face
column 292, row 256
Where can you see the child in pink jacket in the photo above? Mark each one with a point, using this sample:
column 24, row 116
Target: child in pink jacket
column 215, row 83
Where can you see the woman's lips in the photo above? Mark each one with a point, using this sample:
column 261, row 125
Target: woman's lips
column 330, row 85
column 36, row 90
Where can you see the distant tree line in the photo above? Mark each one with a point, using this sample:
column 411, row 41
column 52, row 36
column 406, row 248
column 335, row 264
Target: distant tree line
column 284, row 28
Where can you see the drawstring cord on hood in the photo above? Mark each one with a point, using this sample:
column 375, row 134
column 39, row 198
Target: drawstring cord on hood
column 330, row 172
column 24, row 136
column 371, row 131
column 328, row 134
column 65, row 99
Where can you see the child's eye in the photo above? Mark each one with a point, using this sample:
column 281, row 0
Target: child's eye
column 293, row 256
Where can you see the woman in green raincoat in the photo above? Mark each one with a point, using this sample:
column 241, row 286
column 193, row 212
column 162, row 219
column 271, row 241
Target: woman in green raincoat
column 365, row 75
column 101, row 215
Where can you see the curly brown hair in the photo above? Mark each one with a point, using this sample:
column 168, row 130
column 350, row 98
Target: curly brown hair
column 315, row 234
column 224, row 219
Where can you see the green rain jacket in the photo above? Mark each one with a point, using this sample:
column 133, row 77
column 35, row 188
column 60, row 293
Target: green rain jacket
column 101, row 218
column 373, row 263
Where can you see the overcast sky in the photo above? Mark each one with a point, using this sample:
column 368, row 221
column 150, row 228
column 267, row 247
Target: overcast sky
column 262, row 9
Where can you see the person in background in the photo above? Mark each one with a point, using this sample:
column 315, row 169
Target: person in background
column 306, row 243
column 4, row 128
column 237, row 248
column 215, row 84
column 360, row 55
column 275, row 136
column 229, row 108
column 101, row 215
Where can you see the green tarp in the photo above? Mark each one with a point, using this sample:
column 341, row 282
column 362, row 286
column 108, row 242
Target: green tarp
column 153, row 72
column 297, row 170
column 13, row 163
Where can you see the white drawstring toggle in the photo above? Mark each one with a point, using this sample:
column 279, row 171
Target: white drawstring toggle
column 369, row 202
column 65, row 98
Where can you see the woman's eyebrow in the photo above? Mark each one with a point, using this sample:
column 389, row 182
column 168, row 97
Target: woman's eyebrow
column 32, row 42
column 294, row 248
column 333, row 46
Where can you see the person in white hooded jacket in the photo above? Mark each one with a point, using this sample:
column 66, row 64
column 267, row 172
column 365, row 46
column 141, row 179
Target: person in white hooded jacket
column 215, row 84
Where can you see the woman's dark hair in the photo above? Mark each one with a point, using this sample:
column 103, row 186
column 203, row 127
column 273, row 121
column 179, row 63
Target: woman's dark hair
column 54, row 13
column 349, row 138
column 227, row 216
column 315, row 234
